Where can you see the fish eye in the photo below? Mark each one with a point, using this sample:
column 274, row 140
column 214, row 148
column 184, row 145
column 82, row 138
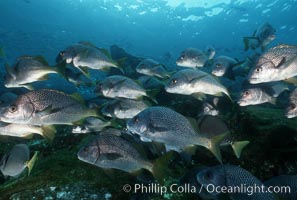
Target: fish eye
column 292, row 106
column 86, row 149
column 258, row 69
column 182, row 57
column 62, row 53
column 218, row 64
column 12, row 109
column 136, row 119
column 174, row 81
column 246, row 93
column 209, row 175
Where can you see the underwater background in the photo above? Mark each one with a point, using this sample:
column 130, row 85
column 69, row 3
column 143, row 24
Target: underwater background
column 137, row 29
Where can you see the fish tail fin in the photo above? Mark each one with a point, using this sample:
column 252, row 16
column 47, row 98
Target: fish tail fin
column 30, row 164
column 238, row 146
column 85, row 71
column 28, row 86
column 214, row 146
column 49, row 132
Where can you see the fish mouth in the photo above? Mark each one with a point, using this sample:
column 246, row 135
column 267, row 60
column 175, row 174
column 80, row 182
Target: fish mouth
column 253, row 80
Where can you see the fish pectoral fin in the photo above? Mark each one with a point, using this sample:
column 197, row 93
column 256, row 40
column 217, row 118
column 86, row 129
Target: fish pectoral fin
column 199, row 96
column 292, row 80
column 238, row 146
column 109, row 156
column 43, row 78
column 197, row 78
column 28, row 86
column 30, row 164
column 85, row 71
column 194, row 124
column 48, row 110
column 282, row 61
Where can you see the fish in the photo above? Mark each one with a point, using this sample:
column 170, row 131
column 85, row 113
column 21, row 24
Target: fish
column 231, row 176
column 17, row 160
column 84, row 55
column 210, row 107
column 288, row 181
column 210, row 51
column 222, row 65
column 291, row 109
column 46, row 107
column 164, row 125
column 257, row 94
column 112, row 151
column 276, row 64
column 92, row 124
column 196, row 83
column 124, row 108
column 150, row 82
column 212, row 126
column 116, row 86
column 192, row 57
column 263, row 36
column 29, row 69
column 151, row 67
column 25, row 131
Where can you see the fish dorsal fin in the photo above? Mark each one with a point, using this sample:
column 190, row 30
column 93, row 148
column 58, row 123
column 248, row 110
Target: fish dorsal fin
column 105, row 52
column 87, row 43
column 10, row 70
column 78, row 98
column 41, row 59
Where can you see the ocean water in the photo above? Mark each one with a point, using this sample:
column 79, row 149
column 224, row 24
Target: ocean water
column 160, row 30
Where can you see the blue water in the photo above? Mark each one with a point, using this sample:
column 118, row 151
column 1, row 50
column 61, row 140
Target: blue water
column 148, row 28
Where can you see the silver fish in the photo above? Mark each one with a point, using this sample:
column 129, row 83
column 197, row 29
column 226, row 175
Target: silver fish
column 191, row 82
column 278, row 63
column 46, row 107
column 151, row 67
column 166, row 126
column 16, row 160
column 27, row 70
column 222, row 65
column 120, row 86
column 91, row 124
column 85, row 55
column 264, row 35
column 192, row 57
column 24, row 130
column 111, row 151
column 124, row 108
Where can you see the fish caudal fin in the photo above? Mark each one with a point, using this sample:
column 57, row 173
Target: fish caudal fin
column 246, row 43
column 214, row 145
column 49, row 132
column 238, row 146
column 30, row 164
